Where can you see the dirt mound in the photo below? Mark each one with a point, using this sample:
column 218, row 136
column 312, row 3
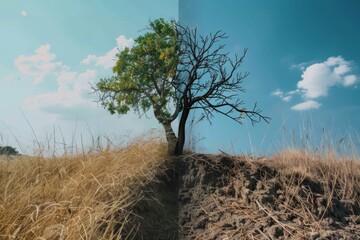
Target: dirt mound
column 223, row 197
column 230, row 197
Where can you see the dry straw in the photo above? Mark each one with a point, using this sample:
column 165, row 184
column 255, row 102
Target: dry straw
column 89, row 196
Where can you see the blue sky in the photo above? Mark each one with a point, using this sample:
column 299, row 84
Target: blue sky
column 50, row 53
column 303, row 60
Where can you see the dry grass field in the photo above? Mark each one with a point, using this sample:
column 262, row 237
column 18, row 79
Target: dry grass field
column 120, row 194
column 292, row 195
column 79, row 197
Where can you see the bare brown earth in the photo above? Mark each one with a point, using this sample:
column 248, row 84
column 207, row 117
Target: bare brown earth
column 229, row 197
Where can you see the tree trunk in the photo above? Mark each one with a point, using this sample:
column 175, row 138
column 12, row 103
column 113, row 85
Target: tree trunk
column 181, row 133
column 170, row 137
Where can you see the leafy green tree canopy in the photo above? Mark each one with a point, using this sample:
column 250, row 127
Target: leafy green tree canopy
column 144, row 76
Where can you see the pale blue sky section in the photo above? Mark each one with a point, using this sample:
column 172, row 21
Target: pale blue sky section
column 50, row 52
column 303, row 61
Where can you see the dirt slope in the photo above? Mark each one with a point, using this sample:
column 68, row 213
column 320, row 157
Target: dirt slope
column 224, row 197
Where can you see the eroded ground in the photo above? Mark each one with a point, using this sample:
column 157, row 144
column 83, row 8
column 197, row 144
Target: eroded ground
column 224, row 197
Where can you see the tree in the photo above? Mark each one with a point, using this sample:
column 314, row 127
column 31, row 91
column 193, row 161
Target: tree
column 208, row 80
column 7, row 150
column 143, row 78
column 172, row 70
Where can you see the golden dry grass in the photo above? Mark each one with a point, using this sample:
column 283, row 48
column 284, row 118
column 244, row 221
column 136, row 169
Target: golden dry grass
column 311, row 180
column 91, row 196
column 80, row 197
column 338, row 175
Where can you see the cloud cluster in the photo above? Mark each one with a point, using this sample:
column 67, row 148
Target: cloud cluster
column 108, row 60
column 72, row 89
column 40, row 64
column 316, row 81
column 284, row 96
column 23, row 13
column 71, row 96
column 309, row 104
column 318, row 78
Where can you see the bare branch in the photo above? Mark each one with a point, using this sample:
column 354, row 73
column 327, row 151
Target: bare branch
column 209, row 78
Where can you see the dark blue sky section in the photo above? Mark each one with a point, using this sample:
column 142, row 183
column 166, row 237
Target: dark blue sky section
column 278, row 35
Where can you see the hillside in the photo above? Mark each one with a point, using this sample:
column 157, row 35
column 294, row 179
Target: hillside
column 138, row 192
column 291, row 196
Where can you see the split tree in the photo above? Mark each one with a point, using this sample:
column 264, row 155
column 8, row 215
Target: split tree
column 172, row 70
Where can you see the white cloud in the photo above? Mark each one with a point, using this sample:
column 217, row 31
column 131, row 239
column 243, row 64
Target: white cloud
column 108, row 60
column 278, row 93
column 349, row 80
column 317, row 79
column 284, row 96
column 334, row 61
column 23, row 13
column 64, row 101
column 72, row 90
column 300, row 66
column 310, row 104
column 123, row 42
column 40, row 64
column 342, row 69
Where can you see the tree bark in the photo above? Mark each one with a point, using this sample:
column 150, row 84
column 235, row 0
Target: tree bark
column 181, row 133
column 170, row 137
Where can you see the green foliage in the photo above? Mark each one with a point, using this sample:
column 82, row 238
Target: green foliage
column 173, row 70
column 143, row 74
column 7, row 150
